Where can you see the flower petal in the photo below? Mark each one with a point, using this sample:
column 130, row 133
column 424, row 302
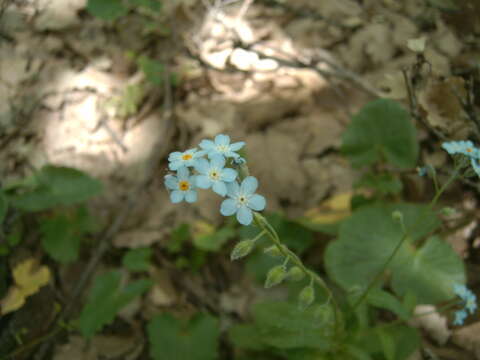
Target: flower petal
column 220, row 188
column 171, row 182
column 228, row 175
column 233, row 189
column 202, row 166
column 228, row 207
column 256, row 202
column 222, row 139
column 244, row 215
column 203, row 181
column 175, row 165
column 249, row 185
column 183, row 173
column 176, row 155
column 237, row 146
column 217, row 161
column 207, row 144
column 191, row 196
column 199, row 154
column 176, row 196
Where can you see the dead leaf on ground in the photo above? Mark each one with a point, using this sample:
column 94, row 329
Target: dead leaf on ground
column 29, row 278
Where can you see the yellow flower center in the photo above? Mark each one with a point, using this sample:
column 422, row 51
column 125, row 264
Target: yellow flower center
column 242, row 199
column 186, row 156
column 469, row 149
column 222, row 148
column 184, row 185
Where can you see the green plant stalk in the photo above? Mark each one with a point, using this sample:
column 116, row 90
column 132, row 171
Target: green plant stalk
column 379, row 275
column 291, row 256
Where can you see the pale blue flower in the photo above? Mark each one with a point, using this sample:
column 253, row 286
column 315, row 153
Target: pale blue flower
column 214, row 174
column 187, row 158
column 469, row 302
column 460, row 317
column 422, row 171
column 462, row 147
column 242, row 200
column 221, row 146
column 182, row 186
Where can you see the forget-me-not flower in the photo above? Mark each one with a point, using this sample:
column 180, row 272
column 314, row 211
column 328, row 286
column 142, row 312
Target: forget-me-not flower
column 214, row 174
column 187, row 158
column 242, row 200
column 461, row 147
column 221, row 146
column 182, row 186
column 465, row 148
column 469, row 301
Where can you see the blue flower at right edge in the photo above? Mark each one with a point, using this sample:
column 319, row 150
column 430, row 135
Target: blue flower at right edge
column 242, row 200
column 465, row 148
column 469, row 302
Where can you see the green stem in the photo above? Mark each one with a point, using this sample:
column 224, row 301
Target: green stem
column 264, row 224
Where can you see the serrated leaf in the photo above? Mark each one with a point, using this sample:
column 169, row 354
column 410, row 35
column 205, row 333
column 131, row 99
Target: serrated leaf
column 381, row 130
column 137, row 260
column 107, row 10
column 56, row 186
column 195, row 339
column 107, row 297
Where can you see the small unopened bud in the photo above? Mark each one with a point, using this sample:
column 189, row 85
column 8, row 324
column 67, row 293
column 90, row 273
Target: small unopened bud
column 295, row 273
column 448, row 211
column 275, row 276
column 242, row 249
column 273, row 251
column 323, row 313
column 306, row 297
column 397, row 216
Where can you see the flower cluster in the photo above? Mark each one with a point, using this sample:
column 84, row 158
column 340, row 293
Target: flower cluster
column 211, row 171
column 469, row 302
column 464, row 148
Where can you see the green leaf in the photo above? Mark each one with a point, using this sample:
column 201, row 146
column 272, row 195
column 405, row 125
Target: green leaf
column 215, row 240
column 171, row 338
column 62, row 234
column 388, row 344
column 382, row 299
column 153, row 5
column 381, row 130
column 178, row 237
column 368, row 238
column 432, row 272
column 394, row 342
column 107, row 297
column 246, row 336
column 283, row 325
column 3, row 206
column 383, row 183
column 137, row 260
column 56, row 186
column 108, row 10
column 153, row 69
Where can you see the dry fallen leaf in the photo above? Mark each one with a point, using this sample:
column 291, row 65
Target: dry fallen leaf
column 332, row 210
column 29, row 278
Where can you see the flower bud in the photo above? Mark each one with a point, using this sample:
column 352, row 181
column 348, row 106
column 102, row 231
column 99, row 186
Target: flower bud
column 295, row 273
column 242, row 249
column 306, row 297
column 397, row 216
column 273, row 251
column 275, row 276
